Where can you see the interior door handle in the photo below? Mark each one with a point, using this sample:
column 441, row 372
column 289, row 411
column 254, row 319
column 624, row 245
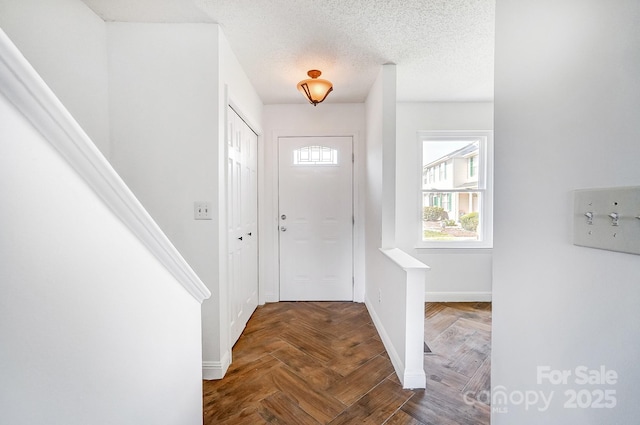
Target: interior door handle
column 284, row 229
column 240, row 238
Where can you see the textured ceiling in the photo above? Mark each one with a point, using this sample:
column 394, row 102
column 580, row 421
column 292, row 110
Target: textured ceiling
column 443, row 49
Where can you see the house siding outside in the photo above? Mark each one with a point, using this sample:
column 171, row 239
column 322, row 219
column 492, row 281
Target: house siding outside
column 452, row 172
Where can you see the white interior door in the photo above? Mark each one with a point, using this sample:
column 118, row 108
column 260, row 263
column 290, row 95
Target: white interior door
column 315, row 218
column 242, row 219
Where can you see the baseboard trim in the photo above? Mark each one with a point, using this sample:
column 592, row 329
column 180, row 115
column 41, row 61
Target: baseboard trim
column 449, row 297
column 216, row 370
column 397, row 363
column 415, row 380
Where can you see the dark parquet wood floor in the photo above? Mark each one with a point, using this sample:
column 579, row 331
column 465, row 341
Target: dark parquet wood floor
column 324, row 363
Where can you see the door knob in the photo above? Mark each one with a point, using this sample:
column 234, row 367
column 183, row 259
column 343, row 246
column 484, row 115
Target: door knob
column 283, row 216
column 284, row 229
column 240, row 238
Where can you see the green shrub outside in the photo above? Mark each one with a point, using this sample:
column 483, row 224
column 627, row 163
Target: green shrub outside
column 434, row 214
column 469, row 221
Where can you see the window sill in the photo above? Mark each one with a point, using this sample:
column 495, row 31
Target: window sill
column 459, row 246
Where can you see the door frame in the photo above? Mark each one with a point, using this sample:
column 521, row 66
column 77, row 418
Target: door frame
column 230, row 107
column 223, row 301
column 268, row 213
column 352, row 151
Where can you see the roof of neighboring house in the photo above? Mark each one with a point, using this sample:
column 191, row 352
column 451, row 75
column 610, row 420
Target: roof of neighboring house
column 462, row 152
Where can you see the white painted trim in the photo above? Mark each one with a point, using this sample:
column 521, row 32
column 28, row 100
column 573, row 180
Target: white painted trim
column 451, row 297
column 236, row 106
column 272, row 292
column 396, row 361
column 415, row 380
column 26, row 90
column 257, row 129
column 487, row 208
column 216, row 370
column 412, row 375
column 412, row 379
column 415, row 376
column 404, row 260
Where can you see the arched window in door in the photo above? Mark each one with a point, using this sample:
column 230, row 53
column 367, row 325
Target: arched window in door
column 315, row 155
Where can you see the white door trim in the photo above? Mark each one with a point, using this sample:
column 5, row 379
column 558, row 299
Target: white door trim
column 306, row 276
column 216, row 370
column 268, row 213
column 242, row 231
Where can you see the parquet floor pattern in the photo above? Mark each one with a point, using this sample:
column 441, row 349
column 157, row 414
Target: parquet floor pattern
column 324, row 363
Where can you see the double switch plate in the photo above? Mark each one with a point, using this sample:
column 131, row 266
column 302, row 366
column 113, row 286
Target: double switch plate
column 608, row 219
column 202, row 210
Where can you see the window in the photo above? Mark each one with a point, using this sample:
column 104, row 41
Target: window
column 315, row 155
column 446, row 201
column 473, row 166
column 456, row 190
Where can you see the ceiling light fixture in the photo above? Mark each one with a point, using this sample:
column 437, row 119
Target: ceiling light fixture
column 315, row 89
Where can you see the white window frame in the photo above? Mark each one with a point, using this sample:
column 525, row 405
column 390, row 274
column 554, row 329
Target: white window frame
column 485, row 179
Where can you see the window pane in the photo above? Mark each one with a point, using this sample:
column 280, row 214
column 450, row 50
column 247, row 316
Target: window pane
column 456, row 192
column 315, row 155
column 451, row 216
column 473, row 168
column 450, row 164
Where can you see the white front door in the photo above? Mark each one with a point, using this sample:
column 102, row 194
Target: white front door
column 242, row 204
column 315, row 218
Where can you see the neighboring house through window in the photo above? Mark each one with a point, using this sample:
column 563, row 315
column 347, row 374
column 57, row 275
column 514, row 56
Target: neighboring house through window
column 473, row 165
column 456, row 193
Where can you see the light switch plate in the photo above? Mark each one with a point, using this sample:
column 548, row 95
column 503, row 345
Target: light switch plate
column 202, row 210
column 608, row 219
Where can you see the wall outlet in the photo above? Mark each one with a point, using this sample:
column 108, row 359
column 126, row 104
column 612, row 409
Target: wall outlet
column 202, row 210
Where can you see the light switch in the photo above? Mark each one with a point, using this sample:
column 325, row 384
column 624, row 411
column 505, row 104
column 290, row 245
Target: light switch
column 202, row 210
column 607, row 219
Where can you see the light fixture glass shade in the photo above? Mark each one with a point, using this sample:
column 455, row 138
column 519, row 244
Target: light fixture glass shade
column 315, row 89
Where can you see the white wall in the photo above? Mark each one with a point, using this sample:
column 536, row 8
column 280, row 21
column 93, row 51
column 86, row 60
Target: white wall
column 158, row 91
column 447, row 281
column 169, row 86
column 394, row 280
column 382, row 91
column 164, row 93
column 66, row 43
column 93, row 328
column 326, row 119
column 567, row 99
column 239, row 90
column 373, row 188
